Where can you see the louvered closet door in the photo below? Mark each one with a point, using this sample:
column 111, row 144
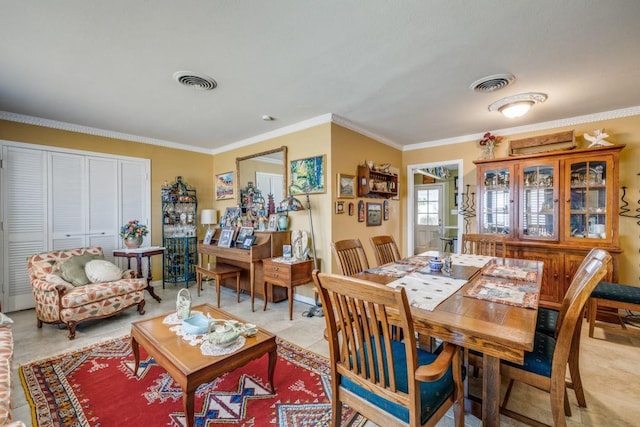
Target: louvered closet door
column 68, row 201
column 24, row 220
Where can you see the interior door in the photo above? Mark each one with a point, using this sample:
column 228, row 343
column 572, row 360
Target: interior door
column 428, row 208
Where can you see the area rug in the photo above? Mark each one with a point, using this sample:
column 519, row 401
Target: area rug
column 96, row 386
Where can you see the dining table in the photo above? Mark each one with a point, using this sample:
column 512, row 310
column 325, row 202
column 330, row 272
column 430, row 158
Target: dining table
column 499, row 330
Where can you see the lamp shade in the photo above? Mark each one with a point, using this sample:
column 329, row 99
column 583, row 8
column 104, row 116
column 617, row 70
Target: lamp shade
column 208, row 217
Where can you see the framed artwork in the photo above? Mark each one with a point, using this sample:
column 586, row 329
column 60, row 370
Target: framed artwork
column 224, row 186
column 308, row 175
column 244, row 233
column 351, row 208
column 207, row 237
column 339, row 207
column 346, row 186
column 360, row 211
column 248, row 242
column 385, row 210
column 374, row 214
column 226, row 237
column 273, row 222
column 286, row 251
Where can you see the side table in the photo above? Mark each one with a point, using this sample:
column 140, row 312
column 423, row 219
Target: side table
column 138, row 254
column 288, row 274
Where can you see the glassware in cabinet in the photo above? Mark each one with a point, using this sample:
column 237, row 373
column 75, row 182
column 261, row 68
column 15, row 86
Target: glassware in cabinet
column 539, row 200
column 496, row 200
column 589, row 216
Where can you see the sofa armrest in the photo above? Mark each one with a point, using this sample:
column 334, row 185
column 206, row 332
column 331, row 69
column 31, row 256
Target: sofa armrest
column 56, row 285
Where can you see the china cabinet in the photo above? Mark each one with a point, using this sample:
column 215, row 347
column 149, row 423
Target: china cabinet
column 180, row 213
column 554, row 207
column 376, row 184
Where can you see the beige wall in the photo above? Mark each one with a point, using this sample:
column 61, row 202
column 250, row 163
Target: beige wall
column 166, row 163
column 621, row 131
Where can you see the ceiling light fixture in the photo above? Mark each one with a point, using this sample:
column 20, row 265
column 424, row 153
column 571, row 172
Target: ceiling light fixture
column 517, row 105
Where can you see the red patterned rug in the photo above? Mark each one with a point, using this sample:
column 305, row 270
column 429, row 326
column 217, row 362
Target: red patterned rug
column 95, row 386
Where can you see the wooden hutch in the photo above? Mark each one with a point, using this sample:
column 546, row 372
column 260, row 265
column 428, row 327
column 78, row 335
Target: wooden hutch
column 554, row 207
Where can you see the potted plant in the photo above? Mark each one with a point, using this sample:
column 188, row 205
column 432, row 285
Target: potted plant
column 132, row 233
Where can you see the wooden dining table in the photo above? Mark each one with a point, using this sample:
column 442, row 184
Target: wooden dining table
column 499, row 331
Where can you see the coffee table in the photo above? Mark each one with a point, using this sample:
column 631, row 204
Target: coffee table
column 186, row 364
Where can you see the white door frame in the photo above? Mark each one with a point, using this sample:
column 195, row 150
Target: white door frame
column 410, row 196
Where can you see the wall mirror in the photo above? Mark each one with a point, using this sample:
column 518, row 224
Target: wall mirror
column 266, row 171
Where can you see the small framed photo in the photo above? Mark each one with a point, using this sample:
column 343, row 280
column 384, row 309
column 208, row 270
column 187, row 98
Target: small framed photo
column 385, row 209
column 207, row 237
column 351, row 208
column 339, row 207
column 374, row 214
column 346, row 186
column 360, row 211
column 224, row 186
column 286, row 251
column 244, row 233
column 226, row 237
column 273, row 222
column 248, row 242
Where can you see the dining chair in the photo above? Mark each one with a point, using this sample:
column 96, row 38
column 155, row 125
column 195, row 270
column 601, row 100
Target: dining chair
column 385, row 249
column 484, row 244
column 545, row 367
column 389, row 382
column 350, row 256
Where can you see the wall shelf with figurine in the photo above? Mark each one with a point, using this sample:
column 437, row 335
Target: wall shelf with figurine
column 377, row 182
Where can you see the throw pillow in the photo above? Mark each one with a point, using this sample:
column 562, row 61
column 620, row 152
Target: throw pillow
column 99, row 271
column 72, row 270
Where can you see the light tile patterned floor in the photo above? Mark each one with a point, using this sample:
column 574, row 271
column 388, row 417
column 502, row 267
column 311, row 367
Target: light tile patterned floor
column 609, row 366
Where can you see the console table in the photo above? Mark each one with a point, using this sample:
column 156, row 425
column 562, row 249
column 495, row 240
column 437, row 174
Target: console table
column 138, row 254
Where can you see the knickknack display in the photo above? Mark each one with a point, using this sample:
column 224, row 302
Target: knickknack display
column 179, row 210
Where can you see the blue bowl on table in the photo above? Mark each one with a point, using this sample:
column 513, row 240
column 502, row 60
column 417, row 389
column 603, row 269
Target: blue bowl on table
column 196, row 325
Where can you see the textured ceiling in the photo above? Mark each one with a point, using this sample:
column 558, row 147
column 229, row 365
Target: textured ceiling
column 399, row 71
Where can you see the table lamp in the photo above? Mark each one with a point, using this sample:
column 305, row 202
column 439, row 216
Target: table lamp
column 209, row 217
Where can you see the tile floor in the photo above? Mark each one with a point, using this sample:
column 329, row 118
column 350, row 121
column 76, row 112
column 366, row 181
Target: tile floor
column 610, row 361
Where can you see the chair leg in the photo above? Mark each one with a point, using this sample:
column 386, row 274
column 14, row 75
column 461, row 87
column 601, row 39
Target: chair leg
column 141, row 307
column 238, row 286
column 72, row 329
column 593, row 308
column 218, row 289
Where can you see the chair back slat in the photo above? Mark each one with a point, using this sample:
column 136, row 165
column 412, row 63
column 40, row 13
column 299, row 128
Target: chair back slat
column 350, row 256
column 484, row 244
column 385, row 249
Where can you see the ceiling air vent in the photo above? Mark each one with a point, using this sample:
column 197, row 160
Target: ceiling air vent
column 492, row 83
column 195, row 80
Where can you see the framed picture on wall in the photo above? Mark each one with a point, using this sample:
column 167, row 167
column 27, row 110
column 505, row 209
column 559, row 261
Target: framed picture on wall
column 224, row 186
column 346, row 186
column 339, row 207
column 308, row 175
column 360, row 211
column 374, row 214
column 385, row 209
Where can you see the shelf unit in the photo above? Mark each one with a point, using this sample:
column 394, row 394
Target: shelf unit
column 554, row 207
column 376, row 184
column 180, row 213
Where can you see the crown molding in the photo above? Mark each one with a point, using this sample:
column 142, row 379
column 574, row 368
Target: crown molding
column 339, row 120
column 572, row 121
column 54, row 124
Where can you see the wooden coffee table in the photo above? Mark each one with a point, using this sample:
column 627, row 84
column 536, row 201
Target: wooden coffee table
column 186, row 364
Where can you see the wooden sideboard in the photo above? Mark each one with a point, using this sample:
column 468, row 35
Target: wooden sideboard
column 268, row 244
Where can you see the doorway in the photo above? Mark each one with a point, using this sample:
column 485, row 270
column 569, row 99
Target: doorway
column 433, row 201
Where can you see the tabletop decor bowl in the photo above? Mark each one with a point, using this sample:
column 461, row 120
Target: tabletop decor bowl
column 196, row 325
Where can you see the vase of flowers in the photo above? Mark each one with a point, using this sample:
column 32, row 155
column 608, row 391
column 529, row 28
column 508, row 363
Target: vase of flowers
column 489, row 142
column 132, row 233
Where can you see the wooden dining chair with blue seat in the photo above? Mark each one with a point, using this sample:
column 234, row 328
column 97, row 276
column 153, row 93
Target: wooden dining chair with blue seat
column 545, row 367
column 390, row 382
column 385, row 249
column 613, row 296
column 350, row 256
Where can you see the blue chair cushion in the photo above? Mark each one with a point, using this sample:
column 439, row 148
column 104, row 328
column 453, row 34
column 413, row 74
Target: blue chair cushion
column 617, row 292
column 432, row 394
column 540, row 360
column 547, row 320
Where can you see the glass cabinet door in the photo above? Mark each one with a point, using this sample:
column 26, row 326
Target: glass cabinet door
column 496, row 200
column 589, row 216
column 538, row 201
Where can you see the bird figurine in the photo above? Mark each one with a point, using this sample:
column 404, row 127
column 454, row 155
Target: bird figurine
column 598, row 138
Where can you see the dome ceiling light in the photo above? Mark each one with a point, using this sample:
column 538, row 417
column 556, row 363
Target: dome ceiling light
column 517, row 105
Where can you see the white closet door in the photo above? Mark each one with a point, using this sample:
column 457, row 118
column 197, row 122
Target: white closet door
column 135, row 193
column 270, row 183
column 68, row 201
column 24, row 220
column 102, row 215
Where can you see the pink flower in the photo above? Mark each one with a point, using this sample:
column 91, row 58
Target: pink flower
column 488, row 139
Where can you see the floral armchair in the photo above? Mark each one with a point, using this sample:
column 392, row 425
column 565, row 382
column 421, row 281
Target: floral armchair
column 58, row 301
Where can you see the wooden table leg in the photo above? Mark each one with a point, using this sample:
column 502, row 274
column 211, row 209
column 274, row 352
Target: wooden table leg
column 252, row 284
column 264, row 292
column 490, row 391
column 136, row 355
column 188, row 399
column 273, row 357
column 149, row 288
